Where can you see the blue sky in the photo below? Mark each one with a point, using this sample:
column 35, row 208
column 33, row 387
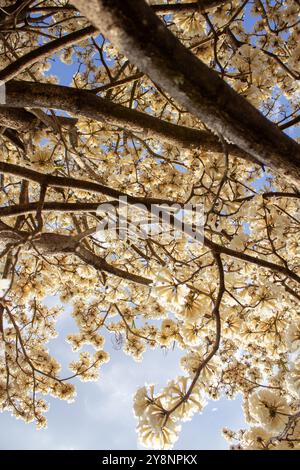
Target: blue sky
column 102, row 418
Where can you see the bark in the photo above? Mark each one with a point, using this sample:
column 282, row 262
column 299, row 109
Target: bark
column 162, row 8
column 135, row 29
column 13, row 137
column 23, row 121
column 20, row 94
column 17, row 118
column 49, row 244
column 100, row 264
column 12, row 15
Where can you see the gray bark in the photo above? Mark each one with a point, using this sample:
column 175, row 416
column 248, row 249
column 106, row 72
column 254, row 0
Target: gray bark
column 134, row 28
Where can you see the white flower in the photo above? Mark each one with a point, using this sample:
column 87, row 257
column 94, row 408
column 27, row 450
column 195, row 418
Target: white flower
column 156, row 435
column 269, row 408
column 191, row 362
column 239, row 241
column 142, row 400
column 231, row 324
column 4, row 285
column 175, row 394
column 293, row 335
column 293, row 379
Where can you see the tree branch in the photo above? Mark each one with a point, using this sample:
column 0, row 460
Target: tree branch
column 42, row 52
column 135, row 29
column 201, row 5
column 67, row 182
column 54, row 244
column 22, row 120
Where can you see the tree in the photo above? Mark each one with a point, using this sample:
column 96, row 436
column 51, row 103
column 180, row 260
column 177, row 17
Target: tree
column 173, row 106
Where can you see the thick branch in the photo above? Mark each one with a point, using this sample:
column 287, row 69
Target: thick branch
column 17, row 118
column 145, row 40
column 12, row 135
column 20, row 94
column 41, row 53
column 252, row 259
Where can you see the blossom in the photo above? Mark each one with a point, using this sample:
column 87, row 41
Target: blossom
column 158, row 436
column 41, row 159
column 228, row 301
column 269, row 408
column 191, row 24
column 194, row 308
column 65, row 391
column 192, row 361
column 231, row 324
